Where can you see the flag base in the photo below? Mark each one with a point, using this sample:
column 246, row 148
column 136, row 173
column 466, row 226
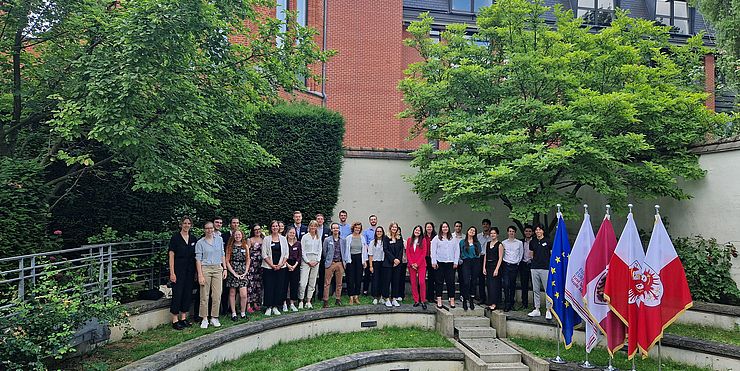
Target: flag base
column 558, row 360
column 587, row 365
column 611, row 368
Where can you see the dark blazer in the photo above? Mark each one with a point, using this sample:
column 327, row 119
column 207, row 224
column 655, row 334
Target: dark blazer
column 392, row 251
column 299, row 234
column 324, row 232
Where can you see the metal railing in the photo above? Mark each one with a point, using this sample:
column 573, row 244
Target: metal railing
column 105, row 268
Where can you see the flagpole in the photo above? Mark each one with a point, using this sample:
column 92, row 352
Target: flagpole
column 660, row 360
column 557, row 358
column 633, row 364
column 610, row 367
column 586, row 364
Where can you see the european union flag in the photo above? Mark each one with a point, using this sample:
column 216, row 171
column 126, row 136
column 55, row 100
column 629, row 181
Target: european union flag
column 561, row 309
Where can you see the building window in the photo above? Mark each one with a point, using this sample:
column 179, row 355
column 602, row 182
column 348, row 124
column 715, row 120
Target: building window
column 280, row 9
column 468, row 6
column 596, row 12
column 673, row 13
column 302, row 8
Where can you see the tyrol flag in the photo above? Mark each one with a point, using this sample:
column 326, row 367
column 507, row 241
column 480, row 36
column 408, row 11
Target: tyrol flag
column 661, row 291
column 561, row 309
column 626, row 287
column 594, row 278
column 574, row 280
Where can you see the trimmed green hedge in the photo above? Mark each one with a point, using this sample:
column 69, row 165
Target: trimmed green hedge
column 308, row 141
column 23, row 208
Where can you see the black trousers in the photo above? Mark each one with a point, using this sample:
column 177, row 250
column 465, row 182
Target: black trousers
column 467, row 272
column 292, row 282
column 182, row 290
column 273, row 284
column 525, row 273
column 354, row 275
column 494, row 286
column 395, row 280
column 479, row 280
column 379, row 287
column 445, row 274
column 367, row 279
column 431, row 280
column 402, row 288
column 509, row 282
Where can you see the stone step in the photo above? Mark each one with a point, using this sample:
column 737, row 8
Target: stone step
column 492, row 350
column 458, row 311
column 468, row 321
column 508, row 366
column 475, row 332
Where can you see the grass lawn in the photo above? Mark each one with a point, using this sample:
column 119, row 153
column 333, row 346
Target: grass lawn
column 132, row 348
column 299, row 353
column 599, row 356
column 705, row 333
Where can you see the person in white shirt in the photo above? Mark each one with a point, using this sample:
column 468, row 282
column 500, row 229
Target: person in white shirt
column 310, row 258
column 480, row 280
column 445, row 255
column 513, row 250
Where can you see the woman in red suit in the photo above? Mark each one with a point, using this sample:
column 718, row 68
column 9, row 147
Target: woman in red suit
column 416, row 252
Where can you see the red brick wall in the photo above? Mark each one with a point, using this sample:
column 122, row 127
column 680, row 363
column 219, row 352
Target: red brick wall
column 709, row 80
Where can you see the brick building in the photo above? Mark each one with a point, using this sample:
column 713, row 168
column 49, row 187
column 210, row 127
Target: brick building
column 361, row 79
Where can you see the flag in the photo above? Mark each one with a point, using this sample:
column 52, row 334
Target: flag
column 574, row 279
column 664, row 291
column 594, row 278
column 624, row 287
column 561, row 309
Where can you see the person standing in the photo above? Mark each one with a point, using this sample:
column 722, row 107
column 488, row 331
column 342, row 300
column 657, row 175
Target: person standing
column 457, row 235
column 274, row 262
column 233, row 226
column 357, row 250
column 281, row 228
column 376, row 257
column 300, row 229
column 218, row 223
column 323, row 232
column 254, row 273
column 226, row 236
column 445, row 256
column 237, row 263
column 525, row 266
column 210, row 263
column 311, row 251
column 493, row 258
column 429, row 234
column 541, row 251
column 293, row 275
column 337, row 256
column 469, row 253
column 367, row 236
column 479, row 279
column 416, row 251
column 512, row 256
column 181, row 259
column 345, row 229
column 392, row 268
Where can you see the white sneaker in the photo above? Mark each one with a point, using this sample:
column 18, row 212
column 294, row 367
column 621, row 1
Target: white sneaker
column 399, row 299
column 276, row 312
column 395, row 303
column 388, row 303
column 548, row 315
column 309, row 305
column 204, row 323
column 535, row 313
column 215, row 322
column 300, row 305
column 268, row 312
column 293, row 308
column 375, row 301
column 285, row 307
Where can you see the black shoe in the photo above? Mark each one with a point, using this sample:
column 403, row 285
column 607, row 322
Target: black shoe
column 338, row 302
column 416, row 304
column 326, row 304
column 452, row 307
column 465, row 305
column 472, row 306
column 186, row 323
column 507, row 309
column 234, row 317
column 424, row 306
column 177, row 325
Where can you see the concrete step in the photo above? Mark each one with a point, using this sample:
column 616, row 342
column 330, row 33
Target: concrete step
column 458, row 311
column 492, row 350
column 475, row 332
column 508, row 366
column 468, row 321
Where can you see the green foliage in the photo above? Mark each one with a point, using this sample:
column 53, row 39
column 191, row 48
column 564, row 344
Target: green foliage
column 23, row 208
column 307, row 140
column 724, row 18
column 707, row 265
column 155, row 88
column 530, row 115
column 39, row 330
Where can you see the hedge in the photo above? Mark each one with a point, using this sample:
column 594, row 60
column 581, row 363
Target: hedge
column 23, row 207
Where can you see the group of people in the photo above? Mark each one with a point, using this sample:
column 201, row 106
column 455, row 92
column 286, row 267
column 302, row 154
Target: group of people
column 283, row 268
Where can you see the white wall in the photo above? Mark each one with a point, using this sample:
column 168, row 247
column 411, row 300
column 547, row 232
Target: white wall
column 376, row 186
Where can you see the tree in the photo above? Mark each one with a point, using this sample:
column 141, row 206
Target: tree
column 531, row 115
column 157, row 88
column 724, row 18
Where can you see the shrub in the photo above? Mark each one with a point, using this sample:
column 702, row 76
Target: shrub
column 308, row 141
column 39, row 330
column 707, row 264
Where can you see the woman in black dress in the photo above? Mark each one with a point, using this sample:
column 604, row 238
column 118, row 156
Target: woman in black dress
column 254, row 273
column 237, row 262
column 181, row 259
column 493, row 257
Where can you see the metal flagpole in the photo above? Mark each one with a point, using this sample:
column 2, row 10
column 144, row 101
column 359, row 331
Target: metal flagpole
column 586, row 363
column 633, row 364
column 660, row 359
column 610, row 367
column 557, row 358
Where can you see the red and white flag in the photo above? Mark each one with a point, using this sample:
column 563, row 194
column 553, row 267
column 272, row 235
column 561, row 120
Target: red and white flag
column 662, row 294
column 624, row 288
column 595, row 274
column 574, row 279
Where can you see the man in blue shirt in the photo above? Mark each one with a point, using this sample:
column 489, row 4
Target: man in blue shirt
column 344, row 227
column 367, row 236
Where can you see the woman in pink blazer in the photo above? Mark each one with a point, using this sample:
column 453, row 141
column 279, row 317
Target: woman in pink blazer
column 416, row 252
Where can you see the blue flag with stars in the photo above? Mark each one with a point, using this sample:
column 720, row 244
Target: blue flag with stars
column 561, row 309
